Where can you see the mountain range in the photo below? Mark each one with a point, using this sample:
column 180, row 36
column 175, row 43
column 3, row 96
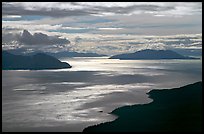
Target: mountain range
column 60, row 54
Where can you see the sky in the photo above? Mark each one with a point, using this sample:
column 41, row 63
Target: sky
column 101, row 27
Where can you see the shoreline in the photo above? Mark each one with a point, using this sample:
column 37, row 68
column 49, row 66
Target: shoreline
column 177, row 109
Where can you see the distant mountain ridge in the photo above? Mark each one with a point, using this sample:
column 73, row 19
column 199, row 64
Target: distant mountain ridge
column 73, row 54
column 149, row 54
column 60, row 54
column 35, row 62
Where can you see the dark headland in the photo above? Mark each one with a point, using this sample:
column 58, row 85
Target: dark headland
column 149, row 54
column 175, row 110
column 35, row 62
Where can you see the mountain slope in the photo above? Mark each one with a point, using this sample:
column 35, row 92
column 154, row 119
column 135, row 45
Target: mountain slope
column 174, row 110
column 151, row 55
column 34, row 62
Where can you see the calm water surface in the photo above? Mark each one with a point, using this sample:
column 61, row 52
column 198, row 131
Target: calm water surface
column 72, row 99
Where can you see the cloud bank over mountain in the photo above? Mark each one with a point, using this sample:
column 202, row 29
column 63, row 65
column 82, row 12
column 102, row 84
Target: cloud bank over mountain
column 40, row 38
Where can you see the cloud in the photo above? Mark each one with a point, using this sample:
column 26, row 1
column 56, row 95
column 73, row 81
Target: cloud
column 102, row 27
column 109, row 28
column 40, row 38
column 59, row 9
column 35, row 42
column 8, row 37
column 117, row 44
column 127, row 17
column 77, row 39
column 43, row 9
column 12, row 16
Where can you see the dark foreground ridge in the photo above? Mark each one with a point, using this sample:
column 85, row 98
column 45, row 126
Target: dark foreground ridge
column 175, row 110
column 149, row 54
column 35, row 62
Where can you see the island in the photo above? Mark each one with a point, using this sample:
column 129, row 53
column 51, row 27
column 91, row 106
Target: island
column 149, row 54
column 38, row 61
column 175, row 110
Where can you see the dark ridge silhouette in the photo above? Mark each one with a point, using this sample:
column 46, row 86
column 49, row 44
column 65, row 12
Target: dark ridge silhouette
column 151, row 55
column 35, row 62
column 175, row 110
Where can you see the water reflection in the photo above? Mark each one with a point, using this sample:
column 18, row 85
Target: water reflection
column 72, row 99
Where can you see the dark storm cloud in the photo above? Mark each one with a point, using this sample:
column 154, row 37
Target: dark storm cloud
column 130, row 9
column 40, row 38
column 12, row 10
column 20, row 9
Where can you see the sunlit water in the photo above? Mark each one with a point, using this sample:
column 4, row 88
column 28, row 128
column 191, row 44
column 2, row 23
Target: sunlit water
column 72, row 99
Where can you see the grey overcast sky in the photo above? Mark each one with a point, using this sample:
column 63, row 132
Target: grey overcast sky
column 101, row 27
